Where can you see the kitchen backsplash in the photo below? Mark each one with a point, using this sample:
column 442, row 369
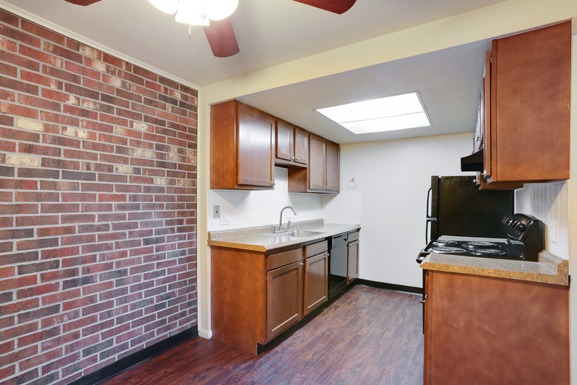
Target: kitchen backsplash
column 258, row 208
column 548, row 203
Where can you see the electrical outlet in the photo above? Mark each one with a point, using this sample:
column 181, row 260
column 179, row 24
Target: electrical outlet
column 216, row 211
column 224, row 220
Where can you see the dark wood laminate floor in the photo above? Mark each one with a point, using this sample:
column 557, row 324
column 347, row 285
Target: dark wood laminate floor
column 369, row 336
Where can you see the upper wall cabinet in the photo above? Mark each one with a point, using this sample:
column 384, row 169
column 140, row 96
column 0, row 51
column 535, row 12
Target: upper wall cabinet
column 292, row 145
column 527, row 134
column 241, row 147
column 322, row 174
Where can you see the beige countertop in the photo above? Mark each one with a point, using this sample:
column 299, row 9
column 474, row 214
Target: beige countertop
column 261, row 238
column 549, row 269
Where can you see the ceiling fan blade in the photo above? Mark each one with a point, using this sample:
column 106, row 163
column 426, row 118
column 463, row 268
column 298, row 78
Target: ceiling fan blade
column 83, row 2
column 336, row 6
column 221, row 38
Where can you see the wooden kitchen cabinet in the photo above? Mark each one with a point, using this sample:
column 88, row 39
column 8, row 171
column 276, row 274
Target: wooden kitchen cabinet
column 527, row 129
column 316, row 276
column 352, row 257
column 284, row 296
column 292, row 145
column 491, row 331
column 241, row 147
column 257, row 296
column 322, row 174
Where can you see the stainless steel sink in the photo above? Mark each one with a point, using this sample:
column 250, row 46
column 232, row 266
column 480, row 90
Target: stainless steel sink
column 295, row 233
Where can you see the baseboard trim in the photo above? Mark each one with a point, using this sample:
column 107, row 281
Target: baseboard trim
column 134, row 359
column 390, row 286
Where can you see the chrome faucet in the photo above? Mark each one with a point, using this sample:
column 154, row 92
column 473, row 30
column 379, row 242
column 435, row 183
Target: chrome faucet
column 281, row 228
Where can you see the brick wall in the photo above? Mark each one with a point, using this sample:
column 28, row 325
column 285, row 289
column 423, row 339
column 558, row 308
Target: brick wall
column 97, row 206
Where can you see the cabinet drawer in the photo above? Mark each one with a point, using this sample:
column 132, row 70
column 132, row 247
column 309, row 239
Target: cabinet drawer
column 316, row 248
column 353, row 236
column 280, row 259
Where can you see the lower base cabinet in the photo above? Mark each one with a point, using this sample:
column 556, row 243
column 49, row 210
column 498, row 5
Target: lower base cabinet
column 493, row 331
column 284, row 298
column 257, row 296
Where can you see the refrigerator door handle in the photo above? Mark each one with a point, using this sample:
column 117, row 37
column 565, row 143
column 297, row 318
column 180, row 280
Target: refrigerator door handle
column 427, row 221
column 428, row 200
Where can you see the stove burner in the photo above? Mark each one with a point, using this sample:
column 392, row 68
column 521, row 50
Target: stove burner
column 481, row 243
column 446, row 250
column 488, row 252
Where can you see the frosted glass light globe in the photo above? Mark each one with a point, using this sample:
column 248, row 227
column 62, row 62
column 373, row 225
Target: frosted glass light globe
column 220, row 9
column 166, row 6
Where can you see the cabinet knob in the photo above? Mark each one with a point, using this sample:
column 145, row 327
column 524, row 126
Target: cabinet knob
column 424, row 299
column 301, row 264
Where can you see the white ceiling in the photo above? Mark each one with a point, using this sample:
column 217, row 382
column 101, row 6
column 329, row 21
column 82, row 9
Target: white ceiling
column 270, row 32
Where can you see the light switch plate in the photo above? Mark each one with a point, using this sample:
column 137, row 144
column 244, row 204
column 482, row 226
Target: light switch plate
column 216, row 211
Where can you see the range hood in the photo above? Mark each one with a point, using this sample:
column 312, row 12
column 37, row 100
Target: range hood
column 473, row 162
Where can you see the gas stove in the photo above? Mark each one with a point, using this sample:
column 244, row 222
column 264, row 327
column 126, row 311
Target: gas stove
column 524, row 240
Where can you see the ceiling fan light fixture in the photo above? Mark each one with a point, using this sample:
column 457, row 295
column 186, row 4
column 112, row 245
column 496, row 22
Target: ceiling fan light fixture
column 166, row 6
column 191, row 12
column 220, row 9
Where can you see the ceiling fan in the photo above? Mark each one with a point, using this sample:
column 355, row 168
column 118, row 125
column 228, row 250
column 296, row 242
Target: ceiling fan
column 220, row 34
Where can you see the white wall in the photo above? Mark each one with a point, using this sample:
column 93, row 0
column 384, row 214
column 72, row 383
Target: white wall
column 258, row 208
column 393, row 178
column 548, row 202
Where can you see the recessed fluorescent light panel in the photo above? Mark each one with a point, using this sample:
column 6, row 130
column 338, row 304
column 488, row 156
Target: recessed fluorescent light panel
column 378, row 115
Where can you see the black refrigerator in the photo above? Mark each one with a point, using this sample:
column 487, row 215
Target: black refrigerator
column 455, row 206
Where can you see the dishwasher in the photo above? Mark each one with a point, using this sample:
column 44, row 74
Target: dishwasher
column 337, row 264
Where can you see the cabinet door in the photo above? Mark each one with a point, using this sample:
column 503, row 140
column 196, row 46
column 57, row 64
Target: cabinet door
column 255, row 132
column 284, row 141
column 518, row 330
column 332, row 167
column 317, row 151
column 352, row 261
column 315, row 282
column 301, row 152
column 530, row 105
column 284, row 298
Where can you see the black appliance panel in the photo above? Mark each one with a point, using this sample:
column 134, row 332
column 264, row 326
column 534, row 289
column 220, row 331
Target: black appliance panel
column 455, row 206
column 337, row 264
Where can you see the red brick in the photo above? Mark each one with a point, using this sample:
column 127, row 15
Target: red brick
column 60, row 208
column 42, row 32
column 82, row 70
column 77, row 239
column 15, row 307
column 58, row 275
column 40, row 56
column 35, row 291
column 60, row 185
column 18, row 110
column 78, row 218
column 20, row 36
column 19, row 330
column 30, row 148
column 60, row 164
column 39, row 79
column 37, row 220
column 40, row 359
column 79, row 302
column 38, row 336
column 59, row 118
column 40, row 103
column 79, row 154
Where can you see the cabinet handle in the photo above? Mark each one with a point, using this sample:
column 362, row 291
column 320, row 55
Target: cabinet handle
column 424, row 299
column 301, row 264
